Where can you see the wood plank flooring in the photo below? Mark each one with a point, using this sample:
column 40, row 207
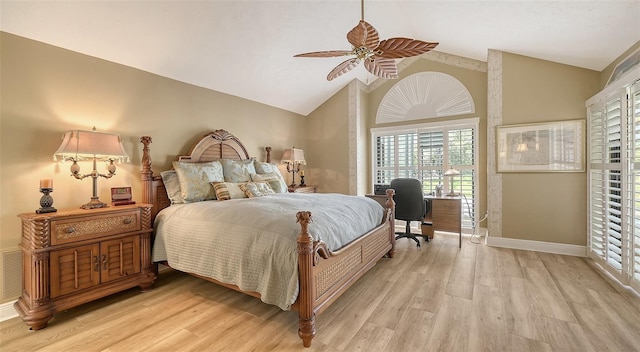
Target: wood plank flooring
column 436, row 298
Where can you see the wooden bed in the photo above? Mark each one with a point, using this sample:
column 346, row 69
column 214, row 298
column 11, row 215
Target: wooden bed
column 323, row 275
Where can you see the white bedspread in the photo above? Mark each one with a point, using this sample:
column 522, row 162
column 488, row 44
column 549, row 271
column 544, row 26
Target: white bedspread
column 251, row 242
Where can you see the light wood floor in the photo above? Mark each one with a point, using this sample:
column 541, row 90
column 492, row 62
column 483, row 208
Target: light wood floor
column 437, row 298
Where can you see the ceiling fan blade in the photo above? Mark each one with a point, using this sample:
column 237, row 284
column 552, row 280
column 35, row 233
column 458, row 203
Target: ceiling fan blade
column 382, row 67
column 343, row 68
column 363, row 35
column 328, row 53
column 397, row 48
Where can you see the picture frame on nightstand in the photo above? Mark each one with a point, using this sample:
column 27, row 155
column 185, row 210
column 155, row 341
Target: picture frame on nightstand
column 121, row 196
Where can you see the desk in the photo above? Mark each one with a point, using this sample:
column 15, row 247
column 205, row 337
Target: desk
column 445, row 214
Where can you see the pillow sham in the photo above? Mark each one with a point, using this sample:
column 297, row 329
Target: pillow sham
column 265, row 168
column 195, row 179
column 272, row 168
column 256, row 189
column 238, row 170
column 229, row 190
column 277, row 184
column 172, row 185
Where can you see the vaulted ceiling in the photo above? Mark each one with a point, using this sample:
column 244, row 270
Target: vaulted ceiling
column 246, row 48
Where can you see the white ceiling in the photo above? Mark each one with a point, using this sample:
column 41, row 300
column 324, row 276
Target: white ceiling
column 246, row 48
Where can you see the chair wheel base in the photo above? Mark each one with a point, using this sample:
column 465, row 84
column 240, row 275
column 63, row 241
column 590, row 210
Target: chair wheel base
column 411, row 236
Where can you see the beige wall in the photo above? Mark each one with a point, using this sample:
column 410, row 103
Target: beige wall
column 550, row 207
column 328, row 141
column 47, row 90
column 474, row 81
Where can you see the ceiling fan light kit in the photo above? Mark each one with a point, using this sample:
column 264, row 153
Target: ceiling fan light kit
column 378, row 56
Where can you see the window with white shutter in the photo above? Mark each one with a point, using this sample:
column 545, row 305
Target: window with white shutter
column 634, row 180
column 614, row 183
column 425, row 152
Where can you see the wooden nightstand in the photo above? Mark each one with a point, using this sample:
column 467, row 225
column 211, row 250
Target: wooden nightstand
column 75, row 256
column 303, row 189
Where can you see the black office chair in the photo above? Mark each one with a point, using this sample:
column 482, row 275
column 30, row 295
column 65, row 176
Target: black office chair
column 410, row 205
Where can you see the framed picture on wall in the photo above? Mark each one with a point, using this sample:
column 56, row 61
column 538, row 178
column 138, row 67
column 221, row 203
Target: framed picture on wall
column 541, row 147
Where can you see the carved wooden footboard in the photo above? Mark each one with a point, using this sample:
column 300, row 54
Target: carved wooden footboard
column 323, row 275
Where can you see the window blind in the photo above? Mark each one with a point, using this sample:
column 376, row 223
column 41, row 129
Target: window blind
column 634, row 180
column 614, row 183
column 425, row 152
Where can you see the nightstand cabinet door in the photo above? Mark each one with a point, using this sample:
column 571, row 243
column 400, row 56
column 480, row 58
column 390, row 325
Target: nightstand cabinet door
column 120, row 257
column 74, row 269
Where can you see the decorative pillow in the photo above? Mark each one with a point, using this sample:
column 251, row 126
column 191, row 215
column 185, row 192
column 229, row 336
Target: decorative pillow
column 195, row 179
column 229, row 190
column 172, row 185
column 271, row 168
column 256, row 189
column 277, row 184
column 238, row 170
column 265, row 168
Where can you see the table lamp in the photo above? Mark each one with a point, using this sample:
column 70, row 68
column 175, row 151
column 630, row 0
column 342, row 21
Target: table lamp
column 451, row 173
column 293, row 158
column 80, row 145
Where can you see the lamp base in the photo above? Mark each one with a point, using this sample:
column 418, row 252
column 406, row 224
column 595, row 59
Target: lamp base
column 46, row 210
column 95, row 203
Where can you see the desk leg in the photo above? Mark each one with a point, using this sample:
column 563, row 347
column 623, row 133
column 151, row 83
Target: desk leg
column 427, row 230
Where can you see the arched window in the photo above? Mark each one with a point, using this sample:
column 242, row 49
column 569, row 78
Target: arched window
column 426, row 150
column 425, row 95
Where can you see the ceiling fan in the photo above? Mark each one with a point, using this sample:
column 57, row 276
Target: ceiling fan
column 378, row 55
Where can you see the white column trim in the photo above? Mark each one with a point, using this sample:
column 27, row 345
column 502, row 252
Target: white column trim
column 494, row 119
column 354, row 120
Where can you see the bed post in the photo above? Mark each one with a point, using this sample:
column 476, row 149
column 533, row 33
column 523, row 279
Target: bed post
column 391, row 213
column 146, row 175
column 306, row 315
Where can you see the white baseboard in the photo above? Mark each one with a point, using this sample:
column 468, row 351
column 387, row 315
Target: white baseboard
column 538, row 246
column 7, row 312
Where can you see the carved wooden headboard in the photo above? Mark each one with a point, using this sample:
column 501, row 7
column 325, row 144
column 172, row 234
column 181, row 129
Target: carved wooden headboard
column 215, row 145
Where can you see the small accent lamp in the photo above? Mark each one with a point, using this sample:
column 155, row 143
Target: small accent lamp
column 293, row 158
column 451, row 173
column 91, row 145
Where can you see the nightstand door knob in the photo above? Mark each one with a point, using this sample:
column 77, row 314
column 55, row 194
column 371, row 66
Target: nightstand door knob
column 127, row 221
column 69, row 230
column 96, row 264
column 104, row 262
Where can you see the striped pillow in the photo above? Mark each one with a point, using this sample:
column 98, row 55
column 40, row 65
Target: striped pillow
column 228, row 190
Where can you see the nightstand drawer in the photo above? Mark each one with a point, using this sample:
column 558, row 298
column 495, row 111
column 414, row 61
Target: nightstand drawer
column 91, row 226
column 303, row 189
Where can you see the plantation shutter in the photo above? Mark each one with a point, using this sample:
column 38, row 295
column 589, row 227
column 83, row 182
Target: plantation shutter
column 461, row 157
column 614, row 184
column 598, row 185
column 407, row 155
column 613, row 167
column 431, row 158
column 425, row 152
column 385, row 158
column 634, row 176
